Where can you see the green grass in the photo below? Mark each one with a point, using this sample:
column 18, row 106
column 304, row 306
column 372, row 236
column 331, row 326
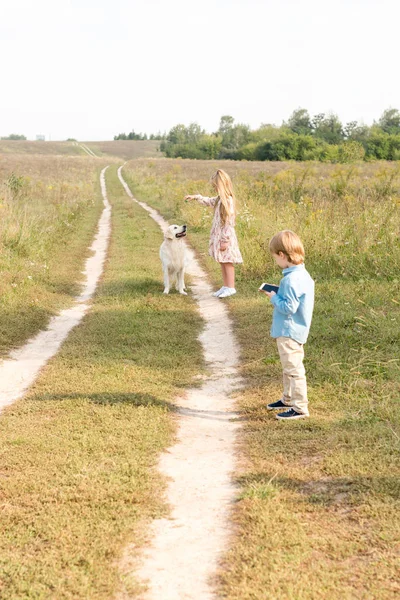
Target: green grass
column 77, row 478
column 318, row 513
column 49, row 210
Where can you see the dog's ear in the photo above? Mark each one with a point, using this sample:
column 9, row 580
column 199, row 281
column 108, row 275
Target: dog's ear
column 169, row 235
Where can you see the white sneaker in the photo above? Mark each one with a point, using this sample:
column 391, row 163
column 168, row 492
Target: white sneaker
column 219, row 291
column 227, row 292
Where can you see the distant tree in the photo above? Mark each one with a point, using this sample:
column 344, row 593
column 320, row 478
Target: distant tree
column 14, row 136
column 377, row 145
column 177, row 135
column 194, row 133
column 135, row 136
column 131, row 136
column 157, row 136
column 210, row 145
column 394, row 147
column 266, row 131
column 301, row 138
column 300, row 122
column 328, row 128
column 390, row 121
column 356, row 131
column 225, row 124
column 233, row 136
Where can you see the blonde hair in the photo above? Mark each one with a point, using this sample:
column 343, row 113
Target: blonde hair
column 224, row 188
column 290, row 244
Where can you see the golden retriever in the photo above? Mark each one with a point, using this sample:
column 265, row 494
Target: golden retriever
column 174, row 258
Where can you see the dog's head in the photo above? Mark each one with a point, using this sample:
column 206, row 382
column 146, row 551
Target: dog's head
column 175, row 231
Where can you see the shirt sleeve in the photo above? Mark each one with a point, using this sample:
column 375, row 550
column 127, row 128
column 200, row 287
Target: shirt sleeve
column 205, row 201
column 286, row 300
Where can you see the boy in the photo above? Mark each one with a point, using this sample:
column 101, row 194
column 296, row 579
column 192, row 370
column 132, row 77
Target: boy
column 293, row 307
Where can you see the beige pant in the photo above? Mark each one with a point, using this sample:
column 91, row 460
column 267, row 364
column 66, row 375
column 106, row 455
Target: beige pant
column 294, row 374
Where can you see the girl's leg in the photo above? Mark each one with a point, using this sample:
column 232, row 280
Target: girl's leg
column 223, row 274
column 229, row 277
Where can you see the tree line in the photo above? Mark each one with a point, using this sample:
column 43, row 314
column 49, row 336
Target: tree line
column 322, row 137
column 13, row 136
column 139, row 136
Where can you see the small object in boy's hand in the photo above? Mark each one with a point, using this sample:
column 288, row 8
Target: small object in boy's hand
column 268, row 287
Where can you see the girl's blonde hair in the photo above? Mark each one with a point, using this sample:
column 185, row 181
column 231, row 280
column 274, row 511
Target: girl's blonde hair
column 290, row 244
column 224, row 188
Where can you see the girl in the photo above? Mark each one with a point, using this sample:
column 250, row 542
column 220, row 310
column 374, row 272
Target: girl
column 223, row 242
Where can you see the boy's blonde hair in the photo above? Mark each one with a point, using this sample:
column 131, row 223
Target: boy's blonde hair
column 290, row 244
column 224, row 188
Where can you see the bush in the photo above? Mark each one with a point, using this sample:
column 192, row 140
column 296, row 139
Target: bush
column 248, row 152
column 351, row 152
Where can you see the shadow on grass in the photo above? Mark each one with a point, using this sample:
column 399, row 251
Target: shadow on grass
column 108, row 398
column 133, row 287
column 135, row 399
column 327, row 491
column 21, row 322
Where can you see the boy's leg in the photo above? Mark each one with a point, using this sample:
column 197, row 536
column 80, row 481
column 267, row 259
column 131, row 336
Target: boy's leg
column 287, row 393
column 292, row 354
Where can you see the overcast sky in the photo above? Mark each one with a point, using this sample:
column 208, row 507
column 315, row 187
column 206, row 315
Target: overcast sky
column 90, row 69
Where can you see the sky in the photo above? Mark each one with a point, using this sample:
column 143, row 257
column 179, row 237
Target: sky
column 90, row 69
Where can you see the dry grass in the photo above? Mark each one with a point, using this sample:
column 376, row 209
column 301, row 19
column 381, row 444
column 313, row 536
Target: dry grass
column 126, row 149
column 318, row 515
column 77, row 482
column 49, row 207
column 41, row 148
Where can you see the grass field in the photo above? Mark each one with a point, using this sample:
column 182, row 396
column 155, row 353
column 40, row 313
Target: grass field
column 124, row 149
column 77, row 483
column 318, row 515
column 39, row 148
column 49, row 208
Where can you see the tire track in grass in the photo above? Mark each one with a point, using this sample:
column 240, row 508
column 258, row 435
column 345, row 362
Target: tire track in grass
column 20, row 370
column 185, row 548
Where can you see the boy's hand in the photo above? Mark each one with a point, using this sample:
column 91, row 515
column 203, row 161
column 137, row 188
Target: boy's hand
column 269, row 294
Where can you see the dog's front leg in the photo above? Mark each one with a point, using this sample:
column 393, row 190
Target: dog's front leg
column 166, row 281
column 181, row 283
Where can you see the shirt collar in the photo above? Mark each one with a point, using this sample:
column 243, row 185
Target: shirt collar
column 294, row 268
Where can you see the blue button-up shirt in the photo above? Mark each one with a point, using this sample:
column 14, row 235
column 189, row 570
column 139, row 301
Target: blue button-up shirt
column 293, row 305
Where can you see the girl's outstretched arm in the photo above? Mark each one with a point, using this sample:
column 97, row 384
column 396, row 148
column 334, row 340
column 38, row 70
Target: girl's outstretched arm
column 204, row 200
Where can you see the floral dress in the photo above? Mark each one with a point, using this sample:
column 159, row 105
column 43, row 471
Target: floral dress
column 222, row 233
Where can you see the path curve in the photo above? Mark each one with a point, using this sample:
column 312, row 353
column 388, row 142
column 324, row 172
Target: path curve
column 19, row 371
column 186, row 547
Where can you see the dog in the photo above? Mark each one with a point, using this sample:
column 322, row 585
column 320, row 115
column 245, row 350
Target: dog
column 173, row 255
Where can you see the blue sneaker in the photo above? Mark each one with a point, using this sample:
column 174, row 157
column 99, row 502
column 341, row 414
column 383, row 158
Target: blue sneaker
column 291, row 414
column 277, row 404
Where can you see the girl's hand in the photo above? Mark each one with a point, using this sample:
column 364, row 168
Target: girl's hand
column 189, row 198
column 223, row 246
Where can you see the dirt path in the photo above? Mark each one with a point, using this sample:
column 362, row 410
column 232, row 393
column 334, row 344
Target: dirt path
column 20, row 370
column 185, row 547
